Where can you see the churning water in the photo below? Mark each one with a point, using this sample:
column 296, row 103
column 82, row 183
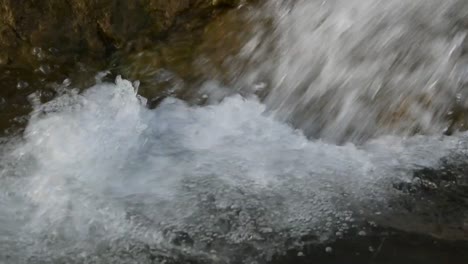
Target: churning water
column 99, row 169
column 99, row 178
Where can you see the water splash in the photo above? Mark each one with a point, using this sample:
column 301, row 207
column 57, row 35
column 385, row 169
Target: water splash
column 98, row 172
column 99, row 177
column 353, row 70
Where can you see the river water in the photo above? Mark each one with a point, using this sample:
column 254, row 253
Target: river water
column 357, row 98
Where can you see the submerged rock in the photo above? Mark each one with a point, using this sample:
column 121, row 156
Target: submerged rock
column 435, row 202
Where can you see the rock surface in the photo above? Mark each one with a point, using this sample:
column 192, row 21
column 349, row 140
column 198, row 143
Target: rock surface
column 43, row 43
column 89, row 25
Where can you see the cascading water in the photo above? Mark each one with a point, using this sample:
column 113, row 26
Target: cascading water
column 99, row 178
column 354, row 70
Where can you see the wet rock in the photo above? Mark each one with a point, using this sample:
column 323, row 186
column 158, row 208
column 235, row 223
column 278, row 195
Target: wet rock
column 226, row 2
column 43, row 43
column 381, row 246
column 4, row 58
column 98, row 27
column 2, row 102
column 435, row 203
column 198, row 49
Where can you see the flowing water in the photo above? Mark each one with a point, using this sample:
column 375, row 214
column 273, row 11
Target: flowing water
column 97, row 177
column 353, row 70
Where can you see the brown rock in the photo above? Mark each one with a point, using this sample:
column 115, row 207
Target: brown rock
column 97, row 27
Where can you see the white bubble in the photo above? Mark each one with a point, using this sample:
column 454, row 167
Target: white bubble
column 102, row 157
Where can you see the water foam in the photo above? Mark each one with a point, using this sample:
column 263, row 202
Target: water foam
column 98, row 171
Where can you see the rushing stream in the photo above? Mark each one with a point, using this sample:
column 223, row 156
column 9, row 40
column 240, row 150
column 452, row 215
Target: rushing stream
column 345, row 102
